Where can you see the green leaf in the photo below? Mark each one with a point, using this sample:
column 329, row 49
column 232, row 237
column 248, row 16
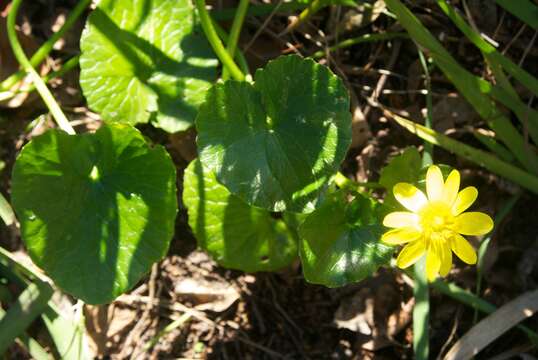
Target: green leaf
column 237, row 235
column 276, row 143
column 402, row 168
column 340, row 241
column 96, row 210
column 146, row 60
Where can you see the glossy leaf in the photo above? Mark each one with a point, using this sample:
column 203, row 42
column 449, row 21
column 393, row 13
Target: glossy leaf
column 276, row 143
column 237, row 235
column 96, row 210
column 402, row 168
column 146, row 60
column 340, row 241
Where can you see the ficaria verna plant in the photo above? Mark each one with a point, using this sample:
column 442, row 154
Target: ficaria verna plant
column 265, row 190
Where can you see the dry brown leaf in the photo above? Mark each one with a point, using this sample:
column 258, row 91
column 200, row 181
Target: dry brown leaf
column 356, row 313
column 450, row 111
column 360, row 131
column 494, row 326
column 207, row 295
column 362, row 15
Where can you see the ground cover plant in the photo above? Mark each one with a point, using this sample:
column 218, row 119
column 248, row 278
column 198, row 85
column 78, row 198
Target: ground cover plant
column 236, row 164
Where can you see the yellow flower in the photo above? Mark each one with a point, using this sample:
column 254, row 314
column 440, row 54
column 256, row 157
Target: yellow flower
column 435, row 224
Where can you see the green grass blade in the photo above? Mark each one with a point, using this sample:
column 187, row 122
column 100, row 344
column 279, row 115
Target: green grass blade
column 468, row 298
column 358, row 40
column 482, row 158
column 30, row 304
column 69, row 338
column 523, row 9
column 488, row 50
column 32, row 346
column 503, row 92
column 498, row 149
column 474, row 89
column 505, row 210
column 259, row 10
column 6, row 212
column 47, row 47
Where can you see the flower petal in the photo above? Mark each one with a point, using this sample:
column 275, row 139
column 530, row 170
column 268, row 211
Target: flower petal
column 399, row 219
column 473, row 223
column 409, row 196
column 463, row 249
column 446, row 259
column 452, row 185
column 465, row 198
column 400, row 236
column 434, row 183
column 410, row 254
column 433, row 264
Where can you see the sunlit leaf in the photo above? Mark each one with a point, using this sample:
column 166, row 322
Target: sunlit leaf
column 237, row 235
column 146, row 60
column 340, row 241
column 276, row 143
column 96, row 210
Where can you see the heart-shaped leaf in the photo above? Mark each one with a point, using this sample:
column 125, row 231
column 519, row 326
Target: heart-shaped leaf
column 237, row 235
column 96, row 210
column 340, row 241
column 146, row 60
column 276, row 143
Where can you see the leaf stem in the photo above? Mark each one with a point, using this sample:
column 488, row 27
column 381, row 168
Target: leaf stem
column 358, row 40
column 428, row 147
column 421, row 310
column 239, row 56
column 67, row 66
column 216, row 44
column 313, row 8
column 235, row 31
column 47, row 47
column 40, row 85
column 343, row 181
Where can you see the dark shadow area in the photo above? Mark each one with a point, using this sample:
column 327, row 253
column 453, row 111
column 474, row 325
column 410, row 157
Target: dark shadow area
column 286, row 318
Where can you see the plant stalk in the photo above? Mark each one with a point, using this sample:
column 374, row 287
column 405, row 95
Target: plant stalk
column 216, row 44
column 40, row 85
column 235, row 31
column 47, row 47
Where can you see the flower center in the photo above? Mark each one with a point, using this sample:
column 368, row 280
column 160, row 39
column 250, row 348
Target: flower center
column 436, row 220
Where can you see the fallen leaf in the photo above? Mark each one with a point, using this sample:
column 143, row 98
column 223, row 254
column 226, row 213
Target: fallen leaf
column 356, row 313
column 493, row 326
column 207, row 295
column 450, row 111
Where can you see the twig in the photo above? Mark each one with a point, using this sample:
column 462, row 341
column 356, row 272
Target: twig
column 383, row 78
column 263, row 26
